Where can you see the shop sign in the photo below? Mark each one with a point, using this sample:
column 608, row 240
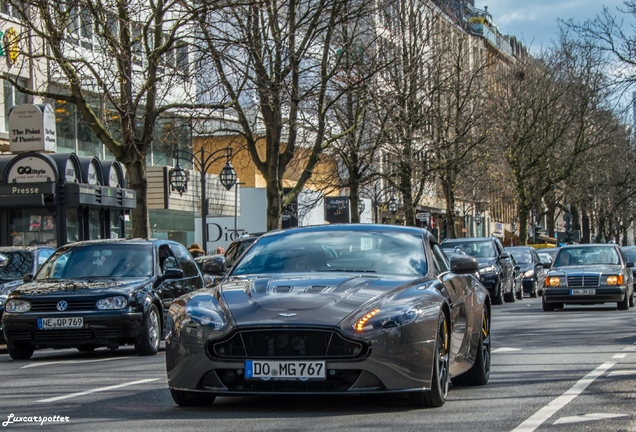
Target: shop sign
column 32, row 128
column 93, row 179
column 70, row 173
column 31, row 170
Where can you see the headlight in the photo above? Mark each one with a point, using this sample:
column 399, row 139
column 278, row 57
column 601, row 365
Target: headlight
column 615, row 280
column 206, row 313
column 487, row 269
column 552, row 281
column 116, row 302
column 17, row 306
column 378, row 318
column 529, row 273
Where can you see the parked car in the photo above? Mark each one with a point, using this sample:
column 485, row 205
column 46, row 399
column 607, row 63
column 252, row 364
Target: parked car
column 99, row 293
column 217, row 265
column 15, row 262
column 496, row 270
column 518, row 278
column 629, row 253
column 589, row 274
column 532, row 269
column 334, row 309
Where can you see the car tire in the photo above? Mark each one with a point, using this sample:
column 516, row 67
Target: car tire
column 631, row 300
column 623, row 304
column 436, row 396
column 510, row 296
column 520, row 292
column 191, row 399
column 535, row 290
column 498, row 298
column 19, row 350
column 547, row 307
column 479, row 373
column 148, row 343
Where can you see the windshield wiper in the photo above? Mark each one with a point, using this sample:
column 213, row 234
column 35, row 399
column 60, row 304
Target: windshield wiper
column 351, row 270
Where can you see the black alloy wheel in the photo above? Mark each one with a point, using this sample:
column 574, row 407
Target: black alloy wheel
column 498, row 298
column 436, row 396
column 148, row 342
column 535, row 290
column 479, row 373
column 510, row 296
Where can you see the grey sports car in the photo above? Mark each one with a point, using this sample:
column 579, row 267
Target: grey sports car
column 334, row 309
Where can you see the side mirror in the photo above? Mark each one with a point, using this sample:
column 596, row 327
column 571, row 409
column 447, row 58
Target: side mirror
column 215, row 265
column 172, row 274
column 517, row 267
column 629, row 264
column 464, row 264
column 27, row 278
column 504, row 255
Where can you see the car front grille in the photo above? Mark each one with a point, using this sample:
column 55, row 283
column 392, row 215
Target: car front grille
column 583, row 280
column 51, row 305
column 290, row 344
column 66, row 335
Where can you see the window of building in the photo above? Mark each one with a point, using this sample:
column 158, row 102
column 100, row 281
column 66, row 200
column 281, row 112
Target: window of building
column 94, row 224
column 8, row 9
column 33, row 226
column 12, row 97
column 72, row 225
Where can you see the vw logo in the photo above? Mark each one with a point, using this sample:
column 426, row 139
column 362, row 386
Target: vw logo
column 288, row 314
column 61, row 305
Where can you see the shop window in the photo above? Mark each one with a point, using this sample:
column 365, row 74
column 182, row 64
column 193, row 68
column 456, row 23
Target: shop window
column 72, row 225
column 12, row 97
column 65, row 126
column 94, row 224
column 115, row 224
column 30, row 227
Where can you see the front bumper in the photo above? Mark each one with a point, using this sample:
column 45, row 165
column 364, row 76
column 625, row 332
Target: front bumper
column 100, row 328
column 386, row 368
column 490, row 282
column 529, row 285
column 603, row 294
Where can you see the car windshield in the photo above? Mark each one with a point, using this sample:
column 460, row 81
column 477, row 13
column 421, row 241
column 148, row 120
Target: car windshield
column 99, row 261
column 19, row 263
column 522, row 256
column 475, row 248
column 598, row 255
column 354, row 251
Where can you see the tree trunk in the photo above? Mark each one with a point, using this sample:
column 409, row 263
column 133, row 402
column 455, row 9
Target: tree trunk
column 139, row 183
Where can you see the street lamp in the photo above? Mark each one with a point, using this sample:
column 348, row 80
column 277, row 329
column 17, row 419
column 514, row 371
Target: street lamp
column 179, row 178
column 478, row 221
column 393, row 204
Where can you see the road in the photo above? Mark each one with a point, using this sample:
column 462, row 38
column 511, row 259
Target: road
column 569, row 370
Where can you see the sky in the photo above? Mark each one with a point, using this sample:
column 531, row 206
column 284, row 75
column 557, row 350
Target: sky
column 534, row 22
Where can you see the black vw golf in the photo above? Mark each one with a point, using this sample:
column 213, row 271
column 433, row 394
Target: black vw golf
column 99, row 293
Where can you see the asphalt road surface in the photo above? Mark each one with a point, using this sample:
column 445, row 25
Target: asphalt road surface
column 569, row 370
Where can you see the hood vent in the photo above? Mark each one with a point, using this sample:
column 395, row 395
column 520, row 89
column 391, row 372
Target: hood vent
column 283, row 289
column 316, row 289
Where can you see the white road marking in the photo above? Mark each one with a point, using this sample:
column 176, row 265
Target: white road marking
column 504, row 349
column 32, row 365
column 619, row 356
column 630, row 348
column 588, row 417
column 72, row 395
column 622, row 373
column 547, row 411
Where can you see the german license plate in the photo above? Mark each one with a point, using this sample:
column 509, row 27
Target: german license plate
column 284, row 370
column 60, row 323
column 587, row 291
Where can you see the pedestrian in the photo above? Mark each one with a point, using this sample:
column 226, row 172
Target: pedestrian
column 220, row 250
column 195, row 250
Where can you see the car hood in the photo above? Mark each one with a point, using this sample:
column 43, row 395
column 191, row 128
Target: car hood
column 317, row 300
column 587, row 269
column 84, row 286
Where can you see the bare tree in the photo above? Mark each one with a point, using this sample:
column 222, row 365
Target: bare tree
column 122, row 63
column 278, row 62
